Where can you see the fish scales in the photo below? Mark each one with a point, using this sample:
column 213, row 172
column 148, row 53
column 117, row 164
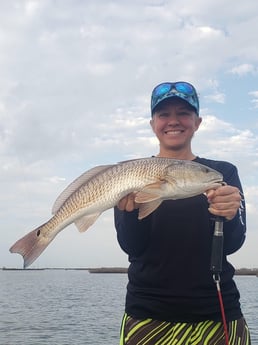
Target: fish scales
column 131, row 175
column 114, row 183
column 152, row 179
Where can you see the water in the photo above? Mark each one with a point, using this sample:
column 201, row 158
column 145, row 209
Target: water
column 248, row 287
column 65, row 307
column 60, row 307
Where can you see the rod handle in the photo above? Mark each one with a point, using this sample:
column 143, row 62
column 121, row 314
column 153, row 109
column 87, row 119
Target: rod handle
column 217, row 246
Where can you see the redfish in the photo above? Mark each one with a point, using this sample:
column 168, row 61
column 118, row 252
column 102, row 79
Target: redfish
column 153, row 180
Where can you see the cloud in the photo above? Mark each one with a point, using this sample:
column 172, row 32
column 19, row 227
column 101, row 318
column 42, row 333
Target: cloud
column 75, row 86
column 254, row 100
column 243, row 69
column 216, row 97
column 225, row 136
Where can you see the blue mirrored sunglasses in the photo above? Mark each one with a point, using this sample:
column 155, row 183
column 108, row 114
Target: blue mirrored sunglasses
column 180, row 89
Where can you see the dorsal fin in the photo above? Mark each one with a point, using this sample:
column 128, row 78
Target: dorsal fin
column 76, row 184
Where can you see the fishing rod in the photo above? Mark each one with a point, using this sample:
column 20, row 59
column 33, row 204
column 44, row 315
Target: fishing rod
column 216, row 266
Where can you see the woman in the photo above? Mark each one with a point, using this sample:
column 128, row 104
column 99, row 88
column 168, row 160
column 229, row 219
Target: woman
column 171, row 294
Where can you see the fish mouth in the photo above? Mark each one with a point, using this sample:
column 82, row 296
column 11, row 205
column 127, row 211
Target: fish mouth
column 217, row 183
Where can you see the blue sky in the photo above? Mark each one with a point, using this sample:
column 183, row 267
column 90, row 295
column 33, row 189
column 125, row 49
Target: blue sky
column 76, row 78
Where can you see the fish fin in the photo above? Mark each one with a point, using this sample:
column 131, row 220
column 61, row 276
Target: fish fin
column 148, row 208
column 31, row 246
column 77, row 183
column 149, row 193
column 85, row 222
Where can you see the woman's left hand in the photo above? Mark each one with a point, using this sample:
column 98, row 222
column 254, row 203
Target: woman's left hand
column 224, row 201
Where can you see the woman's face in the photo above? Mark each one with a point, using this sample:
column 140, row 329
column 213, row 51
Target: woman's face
column 174, row 123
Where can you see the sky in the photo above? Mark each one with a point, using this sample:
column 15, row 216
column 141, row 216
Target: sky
column 75, row 85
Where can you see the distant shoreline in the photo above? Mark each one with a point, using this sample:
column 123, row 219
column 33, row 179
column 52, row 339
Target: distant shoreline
column 241, row 271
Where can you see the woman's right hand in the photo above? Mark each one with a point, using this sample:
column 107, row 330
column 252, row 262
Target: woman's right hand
column 127, row 203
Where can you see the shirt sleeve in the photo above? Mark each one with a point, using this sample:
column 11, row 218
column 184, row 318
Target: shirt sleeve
column 132, row 234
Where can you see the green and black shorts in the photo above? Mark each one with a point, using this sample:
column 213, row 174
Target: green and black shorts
column 153, row 332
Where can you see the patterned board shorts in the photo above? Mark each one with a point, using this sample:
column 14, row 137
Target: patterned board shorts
column 153, row 332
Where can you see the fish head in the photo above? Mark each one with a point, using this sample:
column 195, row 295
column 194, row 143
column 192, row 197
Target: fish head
column 188, row 178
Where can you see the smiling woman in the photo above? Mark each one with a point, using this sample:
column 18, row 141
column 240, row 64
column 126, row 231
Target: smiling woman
column 175, row 123
column 172, row 291
column 75, row 78
column 174, row 126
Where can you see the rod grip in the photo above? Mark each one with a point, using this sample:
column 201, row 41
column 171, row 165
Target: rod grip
column 216, row 253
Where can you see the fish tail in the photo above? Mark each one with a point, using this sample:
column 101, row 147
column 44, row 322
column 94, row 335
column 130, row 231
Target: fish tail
column 31, row 245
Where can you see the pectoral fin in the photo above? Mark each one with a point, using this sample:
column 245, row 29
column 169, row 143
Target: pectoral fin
column 149, row 193
column 149, row 198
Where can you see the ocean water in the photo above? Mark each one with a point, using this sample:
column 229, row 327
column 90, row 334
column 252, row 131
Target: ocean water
column 74, row 307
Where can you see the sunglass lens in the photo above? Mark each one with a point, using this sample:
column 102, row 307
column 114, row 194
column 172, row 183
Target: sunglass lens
column 162, row 89
column 184, row 88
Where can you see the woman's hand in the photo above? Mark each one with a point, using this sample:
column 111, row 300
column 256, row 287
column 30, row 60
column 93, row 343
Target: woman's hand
column 224, row 201
column 127, row 203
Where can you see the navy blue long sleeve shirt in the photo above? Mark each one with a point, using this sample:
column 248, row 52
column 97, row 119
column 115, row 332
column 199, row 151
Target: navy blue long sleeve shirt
column 169, row 253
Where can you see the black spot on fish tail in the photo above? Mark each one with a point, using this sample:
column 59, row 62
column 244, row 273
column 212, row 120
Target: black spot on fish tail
column 38, row 232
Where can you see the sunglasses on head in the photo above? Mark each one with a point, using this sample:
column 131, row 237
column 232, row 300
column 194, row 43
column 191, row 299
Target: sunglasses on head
column 180, row 89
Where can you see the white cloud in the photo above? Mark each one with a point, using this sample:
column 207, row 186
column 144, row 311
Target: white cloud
column 31, row 7
column 254, row 101
column 254, row 93
column 216, row 97
column 243, row 69
column 209, row 32
column 75, row 86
